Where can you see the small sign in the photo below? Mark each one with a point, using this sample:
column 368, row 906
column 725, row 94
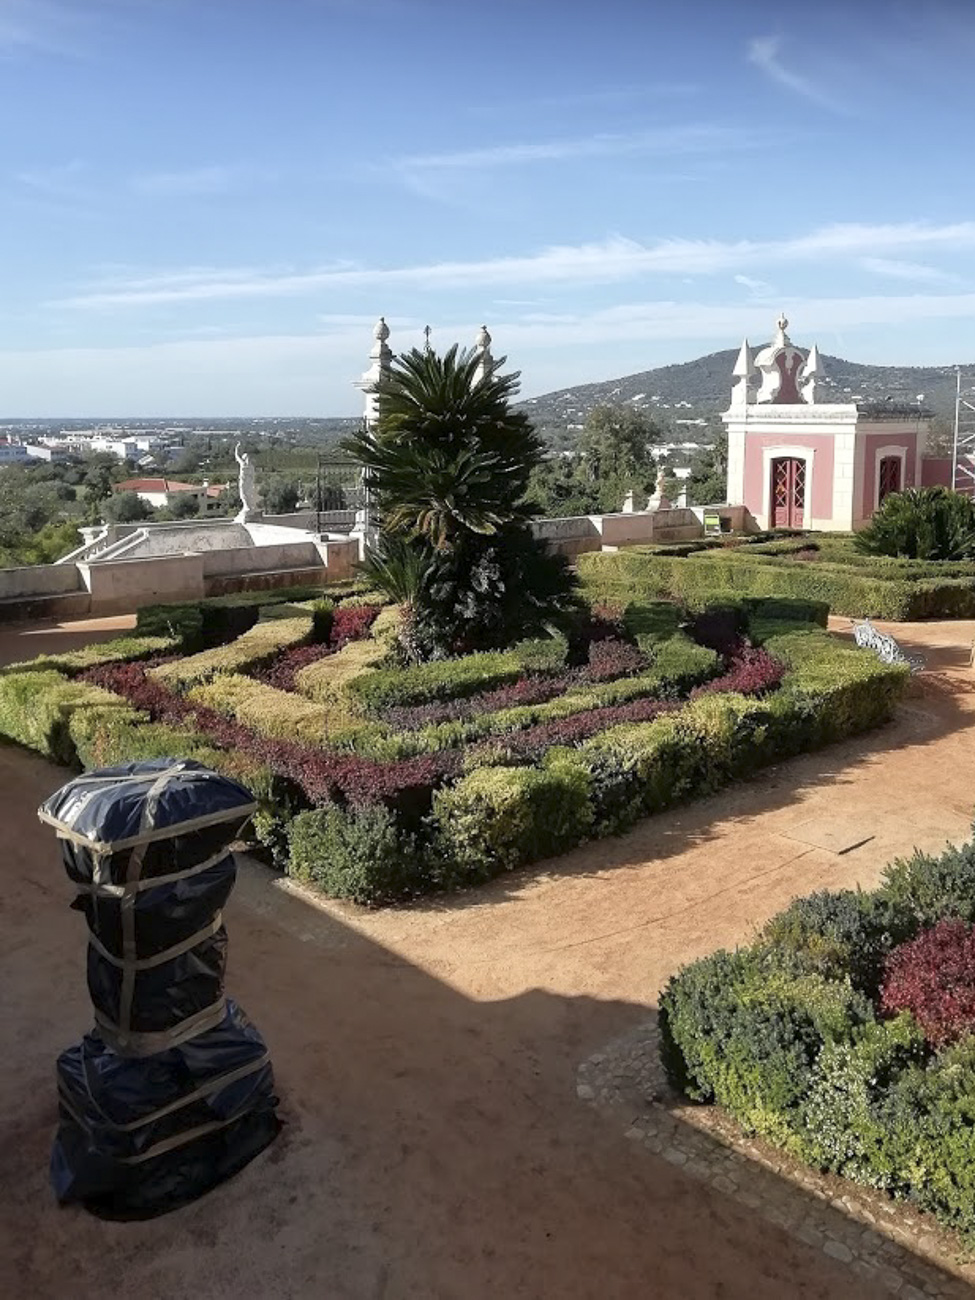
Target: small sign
column 712, row 523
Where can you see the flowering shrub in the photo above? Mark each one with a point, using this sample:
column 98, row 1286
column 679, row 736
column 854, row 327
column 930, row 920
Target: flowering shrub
column 933, row 977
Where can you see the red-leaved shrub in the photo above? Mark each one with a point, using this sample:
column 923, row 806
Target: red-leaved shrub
column 281, row 672
column 750, row 671
column 610, row 658
column 933, row 977
column 351, row 623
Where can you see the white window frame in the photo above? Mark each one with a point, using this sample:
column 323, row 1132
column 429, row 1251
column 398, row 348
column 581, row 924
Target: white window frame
column 807, row 454
column 881, row 454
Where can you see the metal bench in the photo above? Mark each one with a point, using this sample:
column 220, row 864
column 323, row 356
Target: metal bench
column 888, row 651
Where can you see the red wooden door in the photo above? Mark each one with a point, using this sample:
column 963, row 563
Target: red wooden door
column 890, row 477
column 788, row 492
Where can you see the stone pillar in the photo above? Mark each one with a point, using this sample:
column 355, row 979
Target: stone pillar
column 485, row 360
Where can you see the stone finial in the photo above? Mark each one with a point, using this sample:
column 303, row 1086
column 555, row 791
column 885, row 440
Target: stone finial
column 743, row 372
column 483, row 339
column 781, row 325
column 812, row 375
column 380, row 360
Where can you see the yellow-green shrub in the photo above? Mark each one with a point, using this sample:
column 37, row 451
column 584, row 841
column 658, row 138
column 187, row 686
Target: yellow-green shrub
column 327, row 679
column 36, row 710
column 255, row 647
column 268, row 710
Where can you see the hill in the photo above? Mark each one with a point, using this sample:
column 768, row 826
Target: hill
column 700, row 389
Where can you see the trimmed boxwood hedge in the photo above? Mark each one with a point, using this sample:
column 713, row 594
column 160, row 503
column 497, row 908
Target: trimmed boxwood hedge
column 787, row 1035
column 703, row 577
column 464, row 817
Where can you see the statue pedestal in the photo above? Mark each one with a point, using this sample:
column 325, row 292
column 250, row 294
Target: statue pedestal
column 246, row 516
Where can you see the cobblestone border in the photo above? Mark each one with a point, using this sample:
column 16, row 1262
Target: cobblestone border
column 879, row 1240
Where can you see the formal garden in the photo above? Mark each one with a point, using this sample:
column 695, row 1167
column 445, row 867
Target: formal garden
column 465, row 707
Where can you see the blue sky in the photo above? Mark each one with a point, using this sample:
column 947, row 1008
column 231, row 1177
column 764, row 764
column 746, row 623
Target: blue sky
column 205, row 204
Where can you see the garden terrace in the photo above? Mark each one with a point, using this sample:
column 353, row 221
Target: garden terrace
column 379, row 782
column 816, row 567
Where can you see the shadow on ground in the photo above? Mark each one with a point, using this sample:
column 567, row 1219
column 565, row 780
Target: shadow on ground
column 435, row 1145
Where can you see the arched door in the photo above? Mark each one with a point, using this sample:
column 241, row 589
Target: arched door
column 890, row 477
column 788, row 495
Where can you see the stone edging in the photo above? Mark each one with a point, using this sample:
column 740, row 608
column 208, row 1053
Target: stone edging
column 881, row 1241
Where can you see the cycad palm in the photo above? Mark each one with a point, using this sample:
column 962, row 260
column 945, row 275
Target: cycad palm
column 449, row 457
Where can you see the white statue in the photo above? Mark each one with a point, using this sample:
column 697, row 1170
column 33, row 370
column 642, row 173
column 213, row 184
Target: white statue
column 246, row 484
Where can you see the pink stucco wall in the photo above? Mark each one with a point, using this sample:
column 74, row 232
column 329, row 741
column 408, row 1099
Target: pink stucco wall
column 822, row 485
column 870, row 446
column 936, row 471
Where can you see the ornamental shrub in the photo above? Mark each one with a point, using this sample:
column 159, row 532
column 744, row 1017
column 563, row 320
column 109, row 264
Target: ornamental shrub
column 351, row 623
column 499, row 818
column 837, row 934
column 930, row 888
column 441, row 679
column 120, row 650
column 845, row 1128
column 928, row 523
column 361, row 855
column 261, row 643
column 933, row 977
column 36, row 709
column 609, row 659
column 737, row 1030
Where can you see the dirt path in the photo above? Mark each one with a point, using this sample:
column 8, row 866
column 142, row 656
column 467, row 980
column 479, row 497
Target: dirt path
column 427, row 1058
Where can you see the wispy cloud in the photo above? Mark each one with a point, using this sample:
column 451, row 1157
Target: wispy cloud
column 757, row 288
column 608, row 96
column 188, row 183
column 763, row 52
column 55, row 180
column 915, row 271
column 43, row 27
column 613, row 260
column 700, row 138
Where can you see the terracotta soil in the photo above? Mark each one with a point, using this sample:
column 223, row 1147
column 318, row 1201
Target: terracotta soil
column 426, row 1058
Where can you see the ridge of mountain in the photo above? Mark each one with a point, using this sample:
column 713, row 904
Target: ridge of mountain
column 702, row 387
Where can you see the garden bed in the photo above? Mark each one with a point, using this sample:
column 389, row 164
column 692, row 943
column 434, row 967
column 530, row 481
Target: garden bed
column 817, row 567
column 379, row 783
column 846, row 1034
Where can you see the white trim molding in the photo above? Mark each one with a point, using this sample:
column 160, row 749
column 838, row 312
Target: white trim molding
column 806, row 454
column 881, row 454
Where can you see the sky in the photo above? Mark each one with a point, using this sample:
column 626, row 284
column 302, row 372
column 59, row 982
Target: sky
column 205, row 205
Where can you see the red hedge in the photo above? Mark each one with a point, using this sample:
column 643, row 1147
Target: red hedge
column 933, row 976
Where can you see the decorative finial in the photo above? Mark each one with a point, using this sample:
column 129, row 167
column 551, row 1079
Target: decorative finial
column 783, row 322
column 483, row 338
column 427, row 331
column 381, row 332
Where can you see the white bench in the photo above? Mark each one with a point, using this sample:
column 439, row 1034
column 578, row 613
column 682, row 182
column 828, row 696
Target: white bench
column 888, row 651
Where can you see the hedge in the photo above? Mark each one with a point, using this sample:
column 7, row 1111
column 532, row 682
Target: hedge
column 269, row 711
column 788, row 1035
column 541, row 780
column 679, row 665
column 498, row 818
column 255, row 647
column 36, row 709
column 706, row 576
column 452, row 679
column 127, row 649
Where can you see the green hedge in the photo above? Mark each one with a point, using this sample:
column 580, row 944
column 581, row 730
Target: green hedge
column 361, row 855
column 498, row 818
column 255, row 647
column 786, row 1035
column 708, row 576
column 36, row 709
column 120, row 650
column 453, row 679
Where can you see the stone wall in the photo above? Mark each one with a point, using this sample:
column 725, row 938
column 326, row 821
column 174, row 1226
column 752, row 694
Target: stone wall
column 576, row 535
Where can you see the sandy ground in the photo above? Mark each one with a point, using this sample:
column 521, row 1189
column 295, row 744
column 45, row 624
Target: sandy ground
column 426, row 1057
